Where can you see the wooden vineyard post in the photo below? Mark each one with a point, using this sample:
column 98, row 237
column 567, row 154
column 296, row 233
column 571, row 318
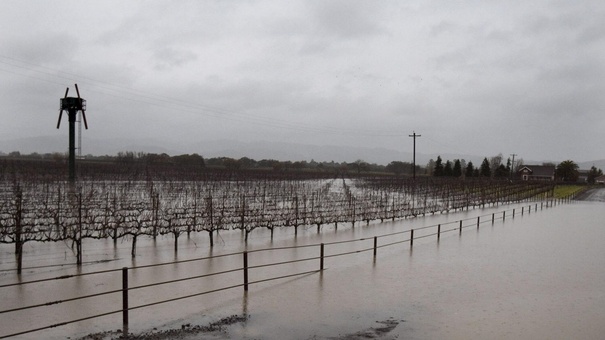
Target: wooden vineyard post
column 503, row 216
column 18, row 231
column 438, row 232
column 155, row 205
column 411, row 237
column 460, row 228
column 79, row 238
column 478, row 221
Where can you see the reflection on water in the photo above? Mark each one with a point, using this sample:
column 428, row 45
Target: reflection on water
column 539, row 275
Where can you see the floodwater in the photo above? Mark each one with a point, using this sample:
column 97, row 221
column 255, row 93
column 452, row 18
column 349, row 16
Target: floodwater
column 538, row 276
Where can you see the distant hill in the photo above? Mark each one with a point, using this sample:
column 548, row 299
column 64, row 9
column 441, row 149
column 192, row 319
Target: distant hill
column 235, row 149
column 97, row 147
column 323, row 153
column 600, row 164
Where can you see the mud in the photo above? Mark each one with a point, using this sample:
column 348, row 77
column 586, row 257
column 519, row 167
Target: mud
column 220, row 330
column 373, row 332
column 216, row 329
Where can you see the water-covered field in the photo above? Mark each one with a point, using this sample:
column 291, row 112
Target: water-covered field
column 539, row 276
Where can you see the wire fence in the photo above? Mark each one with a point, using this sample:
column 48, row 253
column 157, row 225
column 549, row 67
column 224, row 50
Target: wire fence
column 319, row 258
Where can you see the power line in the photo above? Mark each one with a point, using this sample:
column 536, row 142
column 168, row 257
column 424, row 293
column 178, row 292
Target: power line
column 139, row 96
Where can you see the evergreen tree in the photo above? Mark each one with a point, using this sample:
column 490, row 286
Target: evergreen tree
column 448, row 170
column 485, row 170
column 501, row 172
column 438, row 167
column 457, row 169
column 470, row 170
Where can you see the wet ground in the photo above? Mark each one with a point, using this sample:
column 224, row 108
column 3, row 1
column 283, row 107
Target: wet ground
column 593, row 194
column 536, row 276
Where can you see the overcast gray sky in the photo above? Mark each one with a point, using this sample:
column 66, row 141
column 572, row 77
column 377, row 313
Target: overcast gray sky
column 472, row 77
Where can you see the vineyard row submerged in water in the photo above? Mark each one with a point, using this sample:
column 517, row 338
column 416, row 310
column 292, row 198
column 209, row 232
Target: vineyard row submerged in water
column 59, row 211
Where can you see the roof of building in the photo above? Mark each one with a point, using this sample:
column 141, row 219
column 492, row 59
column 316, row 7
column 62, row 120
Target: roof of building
column 540, row 170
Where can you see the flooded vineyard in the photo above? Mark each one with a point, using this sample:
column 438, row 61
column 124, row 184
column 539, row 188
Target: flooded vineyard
column 33, row 212
column 55, row 229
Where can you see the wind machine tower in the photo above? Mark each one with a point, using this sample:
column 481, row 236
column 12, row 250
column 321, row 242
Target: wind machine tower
column 72, row 105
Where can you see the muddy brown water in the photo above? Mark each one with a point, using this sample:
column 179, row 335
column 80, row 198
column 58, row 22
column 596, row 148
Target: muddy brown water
column 538, row 276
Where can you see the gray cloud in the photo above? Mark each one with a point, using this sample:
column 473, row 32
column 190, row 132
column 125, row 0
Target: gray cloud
column 472, row 77
column 346, row 20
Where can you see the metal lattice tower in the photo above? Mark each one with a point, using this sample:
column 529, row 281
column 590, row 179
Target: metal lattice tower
column 73, row 105
column 79, row 148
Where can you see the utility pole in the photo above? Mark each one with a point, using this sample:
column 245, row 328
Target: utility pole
column 512, row 166
column 414, row 159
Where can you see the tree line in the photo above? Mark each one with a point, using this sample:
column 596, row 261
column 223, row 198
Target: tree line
column 566, row 171
column 139, row 163
column 459, row 168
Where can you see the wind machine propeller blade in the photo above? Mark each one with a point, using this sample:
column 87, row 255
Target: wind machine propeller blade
column 84, row 117
column 60, row 114
column 61, row 109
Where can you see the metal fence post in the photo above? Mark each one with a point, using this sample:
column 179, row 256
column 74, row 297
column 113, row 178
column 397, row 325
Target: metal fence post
column 125, row 301
column 478, row 221
column 411, row 237
column 438, row 232
column 375, row 244
column 503, row 215
column 460, row 229
column 245, row 253
column 321, row 256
